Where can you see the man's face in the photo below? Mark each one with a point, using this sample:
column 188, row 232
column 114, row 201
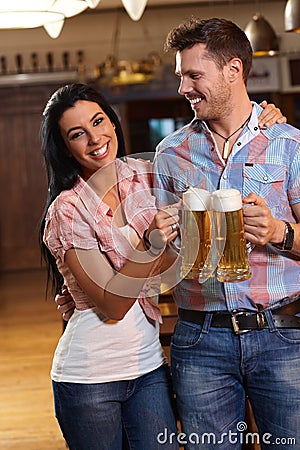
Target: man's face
column 203, row 83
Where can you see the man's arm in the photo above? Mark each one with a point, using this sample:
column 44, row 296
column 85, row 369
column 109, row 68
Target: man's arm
column 261, row 227
column 65, row 303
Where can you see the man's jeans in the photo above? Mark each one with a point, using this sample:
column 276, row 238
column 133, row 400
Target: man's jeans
column 92, row 416
column 213, row 370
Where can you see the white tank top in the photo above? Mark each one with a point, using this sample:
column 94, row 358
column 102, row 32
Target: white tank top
column 93, row 351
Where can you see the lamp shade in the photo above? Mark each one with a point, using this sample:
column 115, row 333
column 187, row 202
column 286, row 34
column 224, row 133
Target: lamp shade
column 292, row 16
column 135, row 8
column 50, row 14
column 54, row 28
column 262, row 37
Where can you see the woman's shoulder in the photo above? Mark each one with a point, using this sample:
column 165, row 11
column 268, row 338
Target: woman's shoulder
column 139, row 164
column 65, row 201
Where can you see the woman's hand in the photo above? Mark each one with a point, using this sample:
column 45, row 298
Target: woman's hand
column 270, row 115
column 164, row 226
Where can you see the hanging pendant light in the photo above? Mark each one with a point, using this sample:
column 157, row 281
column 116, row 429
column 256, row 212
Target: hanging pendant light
column 50, row 14
column 92, row 3
column 292, row 16
column 262, row 37
column 135, row 8
column 54, row 28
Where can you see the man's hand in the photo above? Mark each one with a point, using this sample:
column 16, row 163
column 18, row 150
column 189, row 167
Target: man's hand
column 260, row 226
column 270, row 115
column 65, row 303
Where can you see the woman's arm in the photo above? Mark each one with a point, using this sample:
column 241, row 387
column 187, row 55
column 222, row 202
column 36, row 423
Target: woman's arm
column 114, row 293
column 270, row 115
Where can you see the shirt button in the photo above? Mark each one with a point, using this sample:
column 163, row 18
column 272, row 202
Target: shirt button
column 265, row 178
column 225, row 177
column 255, row 128
column 239, row 143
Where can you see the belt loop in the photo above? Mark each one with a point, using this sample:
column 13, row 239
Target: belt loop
column 269, row 318
column 207, row 322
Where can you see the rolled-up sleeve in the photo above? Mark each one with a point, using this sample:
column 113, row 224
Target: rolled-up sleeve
column 66, row 228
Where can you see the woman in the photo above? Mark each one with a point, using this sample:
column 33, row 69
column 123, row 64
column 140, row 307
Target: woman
column 109, row 371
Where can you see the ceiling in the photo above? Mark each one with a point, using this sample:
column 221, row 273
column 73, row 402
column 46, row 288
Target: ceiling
column 116, row 3
column 112, row 4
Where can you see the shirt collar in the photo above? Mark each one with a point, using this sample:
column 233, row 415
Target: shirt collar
column 253, row 122
column 92, row 201
column 199, row 125
column 89, row 198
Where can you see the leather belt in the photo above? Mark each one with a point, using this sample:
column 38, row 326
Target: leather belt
column 244, row 321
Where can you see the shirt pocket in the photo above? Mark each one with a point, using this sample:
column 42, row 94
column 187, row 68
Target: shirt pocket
column 267, row 181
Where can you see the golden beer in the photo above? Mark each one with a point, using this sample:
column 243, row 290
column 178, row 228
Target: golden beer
column 196, row 235
column 233, row 262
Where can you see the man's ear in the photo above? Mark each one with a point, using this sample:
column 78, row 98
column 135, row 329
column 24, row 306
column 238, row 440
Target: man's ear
column 235, row 68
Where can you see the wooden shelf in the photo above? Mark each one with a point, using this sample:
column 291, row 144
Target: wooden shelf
column 37, row 78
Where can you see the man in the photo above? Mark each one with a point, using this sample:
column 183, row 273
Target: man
column 213, row 366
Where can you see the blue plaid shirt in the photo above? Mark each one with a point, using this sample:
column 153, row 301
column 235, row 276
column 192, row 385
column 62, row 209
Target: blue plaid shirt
column 263, row 161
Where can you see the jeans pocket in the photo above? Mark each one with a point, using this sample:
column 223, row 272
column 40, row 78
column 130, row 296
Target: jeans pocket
column 288, row 335
column 186, row 335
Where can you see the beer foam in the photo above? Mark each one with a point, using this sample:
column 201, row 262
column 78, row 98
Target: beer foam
column 226, row 200
column 196, row 199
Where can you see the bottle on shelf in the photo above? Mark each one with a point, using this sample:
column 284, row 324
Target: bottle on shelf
column 3, row 64
column 19, row 63
column 81, row 68
column 66, row 61
column 34, row 59
column 50, row 62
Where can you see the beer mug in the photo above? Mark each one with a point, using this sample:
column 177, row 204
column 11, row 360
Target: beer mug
column 196, row 234
column 230, row 239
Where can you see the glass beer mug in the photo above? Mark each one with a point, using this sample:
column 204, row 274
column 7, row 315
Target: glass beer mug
column 196, row 234
column 230, row 239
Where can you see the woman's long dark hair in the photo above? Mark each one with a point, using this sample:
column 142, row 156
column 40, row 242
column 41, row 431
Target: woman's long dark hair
column 63, row 171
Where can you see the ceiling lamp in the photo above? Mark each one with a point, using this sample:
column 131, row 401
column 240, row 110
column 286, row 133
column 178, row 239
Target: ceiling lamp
column 135, row 8
column 50, row 14
column 292, row 16
column 262, row 37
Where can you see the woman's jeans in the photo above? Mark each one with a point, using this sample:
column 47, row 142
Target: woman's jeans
column 213, row 370
column 94, row 416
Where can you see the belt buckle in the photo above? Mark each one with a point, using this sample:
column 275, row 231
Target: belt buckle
column 235, row 322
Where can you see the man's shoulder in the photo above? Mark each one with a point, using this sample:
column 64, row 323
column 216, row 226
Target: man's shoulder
column 282, row 131
column 177, row 137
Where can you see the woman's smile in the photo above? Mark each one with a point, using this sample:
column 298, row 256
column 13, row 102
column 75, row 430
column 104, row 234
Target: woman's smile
column 89, row 136
column 101, row 152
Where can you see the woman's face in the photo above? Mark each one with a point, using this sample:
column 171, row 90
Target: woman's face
column 89, row 136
